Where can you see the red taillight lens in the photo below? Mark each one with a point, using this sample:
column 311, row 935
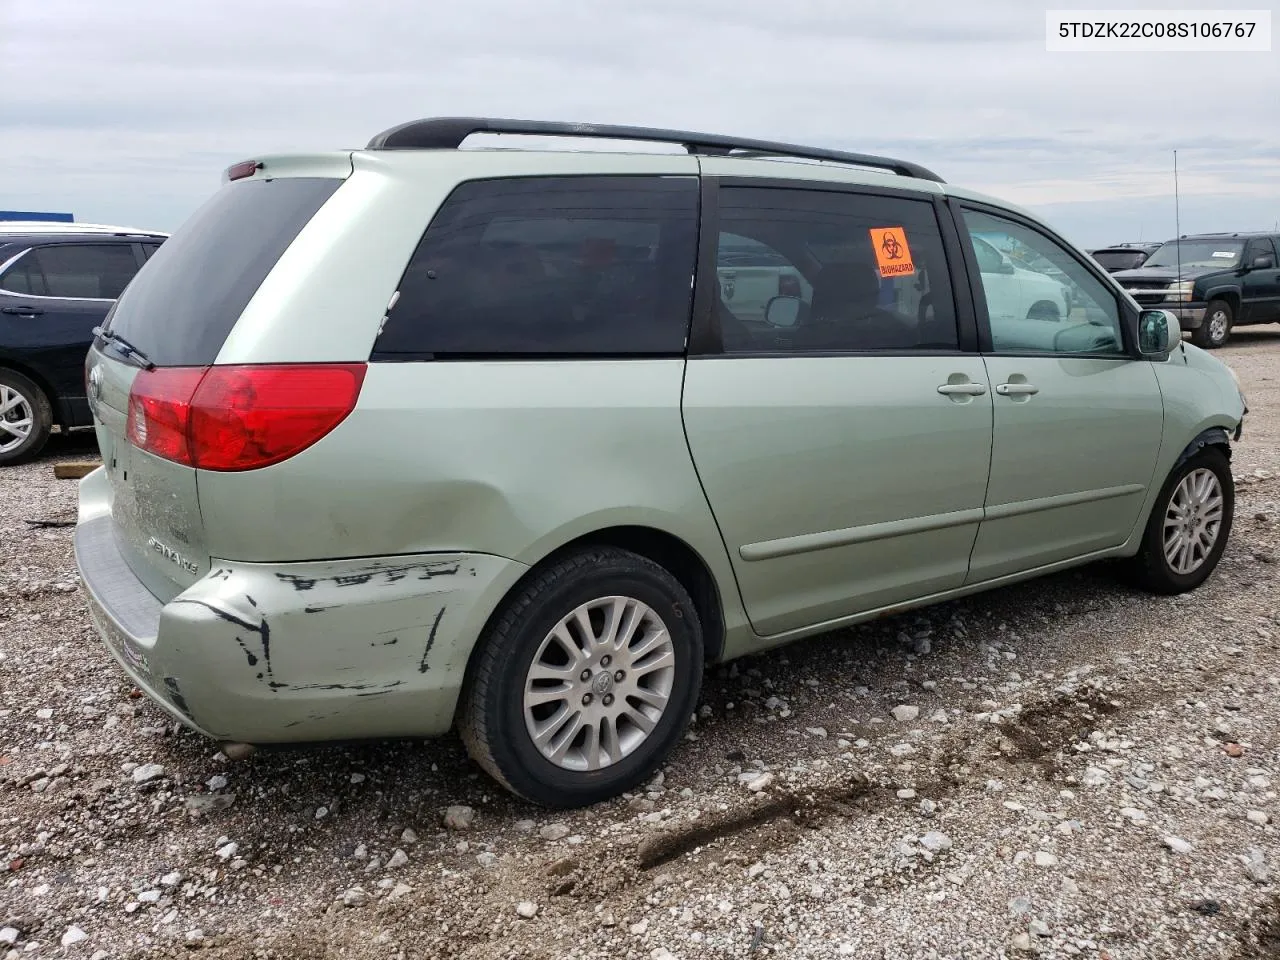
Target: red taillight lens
column 788, row 285
column 239, row 417
column 160, row 411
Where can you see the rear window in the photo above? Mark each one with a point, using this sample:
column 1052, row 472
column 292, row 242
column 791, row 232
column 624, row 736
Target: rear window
column 187, row 297
column 550, row 266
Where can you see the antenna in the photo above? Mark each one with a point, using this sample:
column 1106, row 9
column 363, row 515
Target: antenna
column 1177, row 229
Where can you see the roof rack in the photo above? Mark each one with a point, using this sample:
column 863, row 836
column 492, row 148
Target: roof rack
column 61, row 226
column 447, row 133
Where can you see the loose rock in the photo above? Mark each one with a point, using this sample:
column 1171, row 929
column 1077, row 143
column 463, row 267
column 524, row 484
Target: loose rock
column 459, row 818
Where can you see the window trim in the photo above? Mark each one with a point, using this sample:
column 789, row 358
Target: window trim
column 13, row 261
column 425, row 356
column 1124, row 312
column 705, row 338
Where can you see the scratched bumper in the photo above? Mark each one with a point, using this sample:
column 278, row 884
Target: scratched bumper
column 268, row 653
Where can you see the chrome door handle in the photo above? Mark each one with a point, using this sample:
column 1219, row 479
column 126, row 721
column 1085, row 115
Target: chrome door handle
column 962, row 389
column 1017, row 389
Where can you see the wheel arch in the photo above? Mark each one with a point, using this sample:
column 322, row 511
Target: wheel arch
column 1230, row 294
column 1212, row 436
column 670, row 551
column 666, row 549
column 1042, row 307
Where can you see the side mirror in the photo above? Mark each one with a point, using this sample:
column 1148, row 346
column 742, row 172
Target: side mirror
column 1264, row 262
column 1156, row 335
column 1006, row 266
column 782, row 311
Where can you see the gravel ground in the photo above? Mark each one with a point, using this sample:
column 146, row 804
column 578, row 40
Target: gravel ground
column 1066, row 768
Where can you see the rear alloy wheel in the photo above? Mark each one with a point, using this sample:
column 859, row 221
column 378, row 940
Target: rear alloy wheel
column 585, row 679
column 25, row 418
column 1189, row 525
column 1215, row 330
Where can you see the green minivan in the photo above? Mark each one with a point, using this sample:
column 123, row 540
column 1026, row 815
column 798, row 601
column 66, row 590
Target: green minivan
column 428, row 435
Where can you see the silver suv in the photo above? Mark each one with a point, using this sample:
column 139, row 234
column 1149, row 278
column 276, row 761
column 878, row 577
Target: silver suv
column 415, row 434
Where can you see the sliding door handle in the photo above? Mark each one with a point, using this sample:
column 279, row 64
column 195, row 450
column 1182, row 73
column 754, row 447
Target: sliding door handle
column 1017, row 389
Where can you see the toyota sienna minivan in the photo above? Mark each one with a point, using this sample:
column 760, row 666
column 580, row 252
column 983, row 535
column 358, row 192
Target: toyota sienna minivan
column 417, row 435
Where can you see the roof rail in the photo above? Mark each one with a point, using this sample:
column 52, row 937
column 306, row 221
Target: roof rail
column 52, row 227
column 447, row 133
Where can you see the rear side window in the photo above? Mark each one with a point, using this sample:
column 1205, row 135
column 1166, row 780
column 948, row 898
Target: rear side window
column 1120, row 259
column 550, row 266
column 189, row 294
column 851, row 272
column 82, row 271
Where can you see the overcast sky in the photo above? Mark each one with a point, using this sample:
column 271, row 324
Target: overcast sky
column 127, row 111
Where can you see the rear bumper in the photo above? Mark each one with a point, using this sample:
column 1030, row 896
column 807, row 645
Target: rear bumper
column 269, row 653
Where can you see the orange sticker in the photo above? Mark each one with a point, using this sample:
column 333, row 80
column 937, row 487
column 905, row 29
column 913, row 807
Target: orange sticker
column 893, row 256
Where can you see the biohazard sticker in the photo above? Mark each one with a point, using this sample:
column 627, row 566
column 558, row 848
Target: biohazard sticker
column 893, row 255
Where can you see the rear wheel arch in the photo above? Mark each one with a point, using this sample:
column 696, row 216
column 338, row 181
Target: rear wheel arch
column 663, row 548
column 684, row 563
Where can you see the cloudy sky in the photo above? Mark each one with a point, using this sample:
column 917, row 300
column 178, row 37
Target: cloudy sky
column 127, row 111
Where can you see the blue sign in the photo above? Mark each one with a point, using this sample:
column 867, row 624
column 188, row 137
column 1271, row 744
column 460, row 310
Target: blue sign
column 44, row 217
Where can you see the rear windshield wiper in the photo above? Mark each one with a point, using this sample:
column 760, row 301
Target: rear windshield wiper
column 125, row 348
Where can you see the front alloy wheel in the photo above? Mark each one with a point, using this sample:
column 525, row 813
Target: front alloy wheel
column 1189, row 526
column 1193, row 521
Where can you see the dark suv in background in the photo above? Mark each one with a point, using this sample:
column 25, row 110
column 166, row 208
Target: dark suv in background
column 1211, row 282
column 57, row 282
column 1123, row 256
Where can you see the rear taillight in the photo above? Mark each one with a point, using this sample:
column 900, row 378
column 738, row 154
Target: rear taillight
column 788, row 285
column 239, row 417
column 160, row 411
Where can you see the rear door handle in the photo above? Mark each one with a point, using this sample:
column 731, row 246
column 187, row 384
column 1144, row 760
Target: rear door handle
column 962, row 389
column 23, row 311
column 1017, row 389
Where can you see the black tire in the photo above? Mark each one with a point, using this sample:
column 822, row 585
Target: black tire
column 41, row 419
column 1204, row 335
column 1151, row 569
column 492, row 722
column 1044, row 310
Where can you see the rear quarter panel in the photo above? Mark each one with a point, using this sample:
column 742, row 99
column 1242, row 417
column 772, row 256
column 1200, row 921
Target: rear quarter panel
column 507, row 458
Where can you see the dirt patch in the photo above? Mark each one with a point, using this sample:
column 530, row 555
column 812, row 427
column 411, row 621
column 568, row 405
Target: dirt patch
column 1260, row 934
column 1042, row 733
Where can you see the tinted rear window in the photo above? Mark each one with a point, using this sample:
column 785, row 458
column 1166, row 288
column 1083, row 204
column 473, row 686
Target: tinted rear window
column 185, row 300
column 550, row 266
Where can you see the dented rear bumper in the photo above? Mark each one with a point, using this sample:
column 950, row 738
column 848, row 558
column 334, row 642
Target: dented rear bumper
column 266, row 653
